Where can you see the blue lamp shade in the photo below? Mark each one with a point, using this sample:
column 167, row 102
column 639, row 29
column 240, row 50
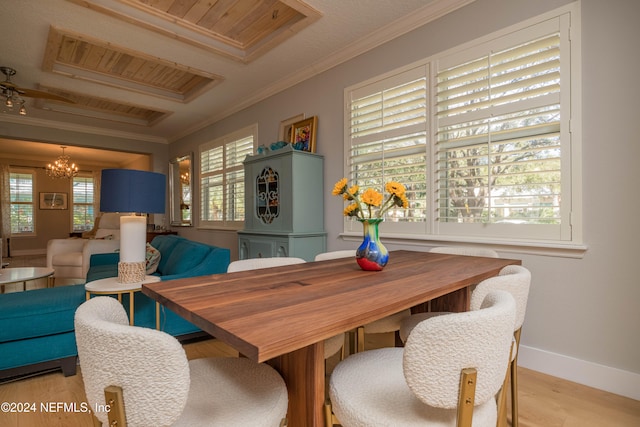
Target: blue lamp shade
column 128, row 190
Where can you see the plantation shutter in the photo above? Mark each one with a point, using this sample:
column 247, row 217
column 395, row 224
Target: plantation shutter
column 21, row 199
column 222, row 177
column 211, row 189
column 83, row 215
column 236, row 151
column 498, row 139
column 388, row 138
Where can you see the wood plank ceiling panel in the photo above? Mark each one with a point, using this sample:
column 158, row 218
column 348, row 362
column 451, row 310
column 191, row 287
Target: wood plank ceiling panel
column 81, row 57
column 91, row 106
column 240, row 29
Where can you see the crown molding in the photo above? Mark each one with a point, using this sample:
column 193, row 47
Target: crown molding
column 397, row 28
column 51, row 124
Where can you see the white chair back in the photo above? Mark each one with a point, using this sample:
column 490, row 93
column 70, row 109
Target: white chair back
column 255, row 263
column 514, row 279
column 465, row 250
column 336, row 255
column 439, row 348
column 149, row 365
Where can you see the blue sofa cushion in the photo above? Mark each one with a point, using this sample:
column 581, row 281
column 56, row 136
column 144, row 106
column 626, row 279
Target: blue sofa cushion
column 24, row 352
column 38, row 313
column 185, row 255
column 165, row 244
column 98, row 272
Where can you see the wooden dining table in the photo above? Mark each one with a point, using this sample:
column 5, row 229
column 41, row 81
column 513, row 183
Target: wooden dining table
column 281, row 315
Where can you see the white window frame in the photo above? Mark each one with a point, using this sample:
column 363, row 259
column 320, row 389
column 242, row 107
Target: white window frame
column 33, row 202
column 517, row 237
column 74, row 203
column 224, row 171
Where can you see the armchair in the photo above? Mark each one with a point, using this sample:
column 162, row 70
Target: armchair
column 70, row 257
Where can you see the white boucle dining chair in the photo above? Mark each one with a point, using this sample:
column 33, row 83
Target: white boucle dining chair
column 256, row 263
column 465, row 250
column 447, row 374
column 516, row 280
column 331, row 345
column 147, row 375
column 410, row 321
column 346, row 253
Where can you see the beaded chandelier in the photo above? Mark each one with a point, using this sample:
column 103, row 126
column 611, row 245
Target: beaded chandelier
column 61, row 167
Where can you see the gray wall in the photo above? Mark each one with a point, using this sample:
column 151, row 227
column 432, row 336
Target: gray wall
column 582, row 315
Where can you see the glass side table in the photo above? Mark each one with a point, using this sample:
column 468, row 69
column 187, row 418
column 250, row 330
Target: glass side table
column 23, row 275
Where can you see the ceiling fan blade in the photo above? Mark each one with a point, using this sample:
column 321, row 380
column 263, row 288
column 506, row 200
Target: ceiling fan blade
column 32, row 93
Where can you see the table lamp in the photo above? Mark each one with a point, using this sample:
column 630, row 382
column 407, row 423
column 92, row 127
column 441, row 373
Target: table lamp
column 136, row 192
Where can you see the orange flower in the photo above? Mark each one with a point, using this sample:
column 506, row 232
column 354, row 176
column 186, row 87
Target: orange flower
column 395, row 188
column 371, row 197
column 351, row 210
column 340, row 187
column 401, row 201
column 363, row 206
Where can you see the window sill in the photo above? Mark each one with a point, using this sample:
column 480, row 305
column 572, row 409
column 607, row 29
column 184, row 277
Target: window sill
column 541, row 248
column 219, row 228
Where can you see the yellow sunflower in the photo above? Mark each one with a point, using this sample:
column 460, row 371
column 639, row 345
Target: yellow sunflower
column 371, row 197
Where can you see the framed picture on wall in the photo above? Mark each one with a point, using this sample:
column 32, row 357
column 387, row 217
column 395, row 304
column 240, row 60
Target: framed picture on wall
column 286, row 127
column 53, row 201
column 303, row 135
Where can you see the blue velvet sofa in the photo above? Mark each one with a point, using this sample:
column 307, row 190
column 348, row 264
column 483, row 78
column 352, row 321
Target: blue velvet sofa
column 36, row 326
column 179, row 258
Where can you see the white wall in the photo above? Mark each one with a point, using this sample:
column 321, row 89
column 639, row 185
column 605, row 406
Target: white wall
column 582, row 317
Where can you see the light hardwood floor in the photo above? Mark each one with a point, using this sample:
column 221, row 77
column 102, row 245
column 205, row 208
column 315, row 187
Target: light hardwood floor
column 545, row 401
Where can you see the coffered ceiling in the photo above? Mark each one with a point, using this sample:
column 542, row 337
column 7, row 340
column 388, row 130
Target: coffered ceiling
column 160, row 69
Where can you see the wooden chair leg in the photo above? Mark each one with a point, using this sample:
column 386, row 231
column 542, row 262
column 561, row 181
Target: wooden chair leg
column 501, row 401
column 514, row 381
column 466, row 397
column 397, row 340
column 501, row 397
column 328, row 414
column 329, row 419
column 360, row 339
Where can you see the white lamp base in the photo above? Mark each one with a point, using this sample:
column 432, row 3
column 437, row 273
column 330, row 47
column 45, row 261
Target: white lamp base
column 133, row 241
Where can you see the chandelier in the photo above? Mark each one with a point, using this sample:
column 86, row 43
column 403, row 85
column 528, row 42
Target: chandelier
column 61, row 167
column 12, row 98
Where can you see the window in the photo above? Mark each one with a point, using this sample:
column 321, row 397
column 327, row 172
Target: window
column 22, row 202
column 389, row 140
column 479, row 135
column 83, row 215
column 222, row 178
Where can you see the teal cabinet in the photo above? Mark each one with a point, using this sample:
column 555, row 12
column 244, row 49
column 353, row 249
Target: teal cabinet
column 284, row 205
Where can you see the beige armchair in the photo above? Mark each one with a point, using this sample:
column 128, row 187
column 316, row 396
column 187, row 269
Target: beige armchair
column 70, row 257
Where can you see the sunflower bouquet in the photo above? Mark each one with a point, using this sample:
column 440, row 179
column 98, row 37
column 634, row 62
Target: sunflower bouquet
column 370, row 204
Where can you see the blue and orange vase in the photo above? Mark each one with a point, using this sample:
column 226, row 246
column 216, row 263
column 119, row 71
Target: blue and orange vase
column 371, row 255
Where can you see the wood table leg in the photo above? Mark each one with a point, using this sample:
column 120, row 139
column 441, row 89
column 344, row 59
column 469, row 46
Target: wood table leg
column 157, row 315
column 303, row 372
column 131, row 308
column 454, row 302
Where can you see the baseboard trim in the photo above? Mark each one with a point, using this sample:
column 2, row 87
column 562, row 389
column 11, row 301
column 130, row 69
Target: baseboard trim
column 28, row 252
column 591, row 374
